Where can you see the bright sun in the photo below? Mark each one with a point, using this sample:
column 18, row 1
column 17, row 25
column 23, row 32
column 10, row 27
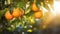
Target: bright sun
column 57, row 6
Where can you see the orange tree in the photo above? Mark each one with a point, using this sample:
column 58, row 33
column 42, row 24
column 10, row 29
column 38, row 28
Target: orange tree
column 23, row 12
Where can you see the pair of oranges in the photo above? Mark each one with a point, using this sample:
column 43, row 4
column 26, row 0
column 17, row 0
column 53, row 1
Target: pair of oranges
column 16, row 13
column 38, row 13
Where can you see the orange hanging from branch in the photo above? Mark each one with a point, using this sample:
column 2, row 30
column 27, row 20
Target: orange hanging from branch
column 38, row 14
column 17, row 12
column 8, row 16
column 34, row 7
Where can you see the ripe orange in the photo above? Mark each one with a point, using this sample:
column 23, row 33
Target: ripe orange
column 34, row 7
column 16, row 12
column 8, row 16
column 22, row 11
column 38, row 14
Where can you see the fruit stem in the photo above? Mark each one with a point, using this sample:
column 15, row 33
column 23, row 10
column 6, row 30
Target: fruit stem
column 34, row 1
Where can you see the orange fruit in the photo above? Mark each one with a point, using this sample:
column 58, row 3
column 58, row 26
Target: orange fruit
column 22, row 11
column 16, row 12
column 38, row 14
column 8, row 16
column 34, row 7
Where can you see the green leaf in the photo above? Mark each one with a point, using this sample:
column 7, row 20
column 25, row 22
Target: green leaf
column 30, row 13
column 21, row 4
column 2, row 13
